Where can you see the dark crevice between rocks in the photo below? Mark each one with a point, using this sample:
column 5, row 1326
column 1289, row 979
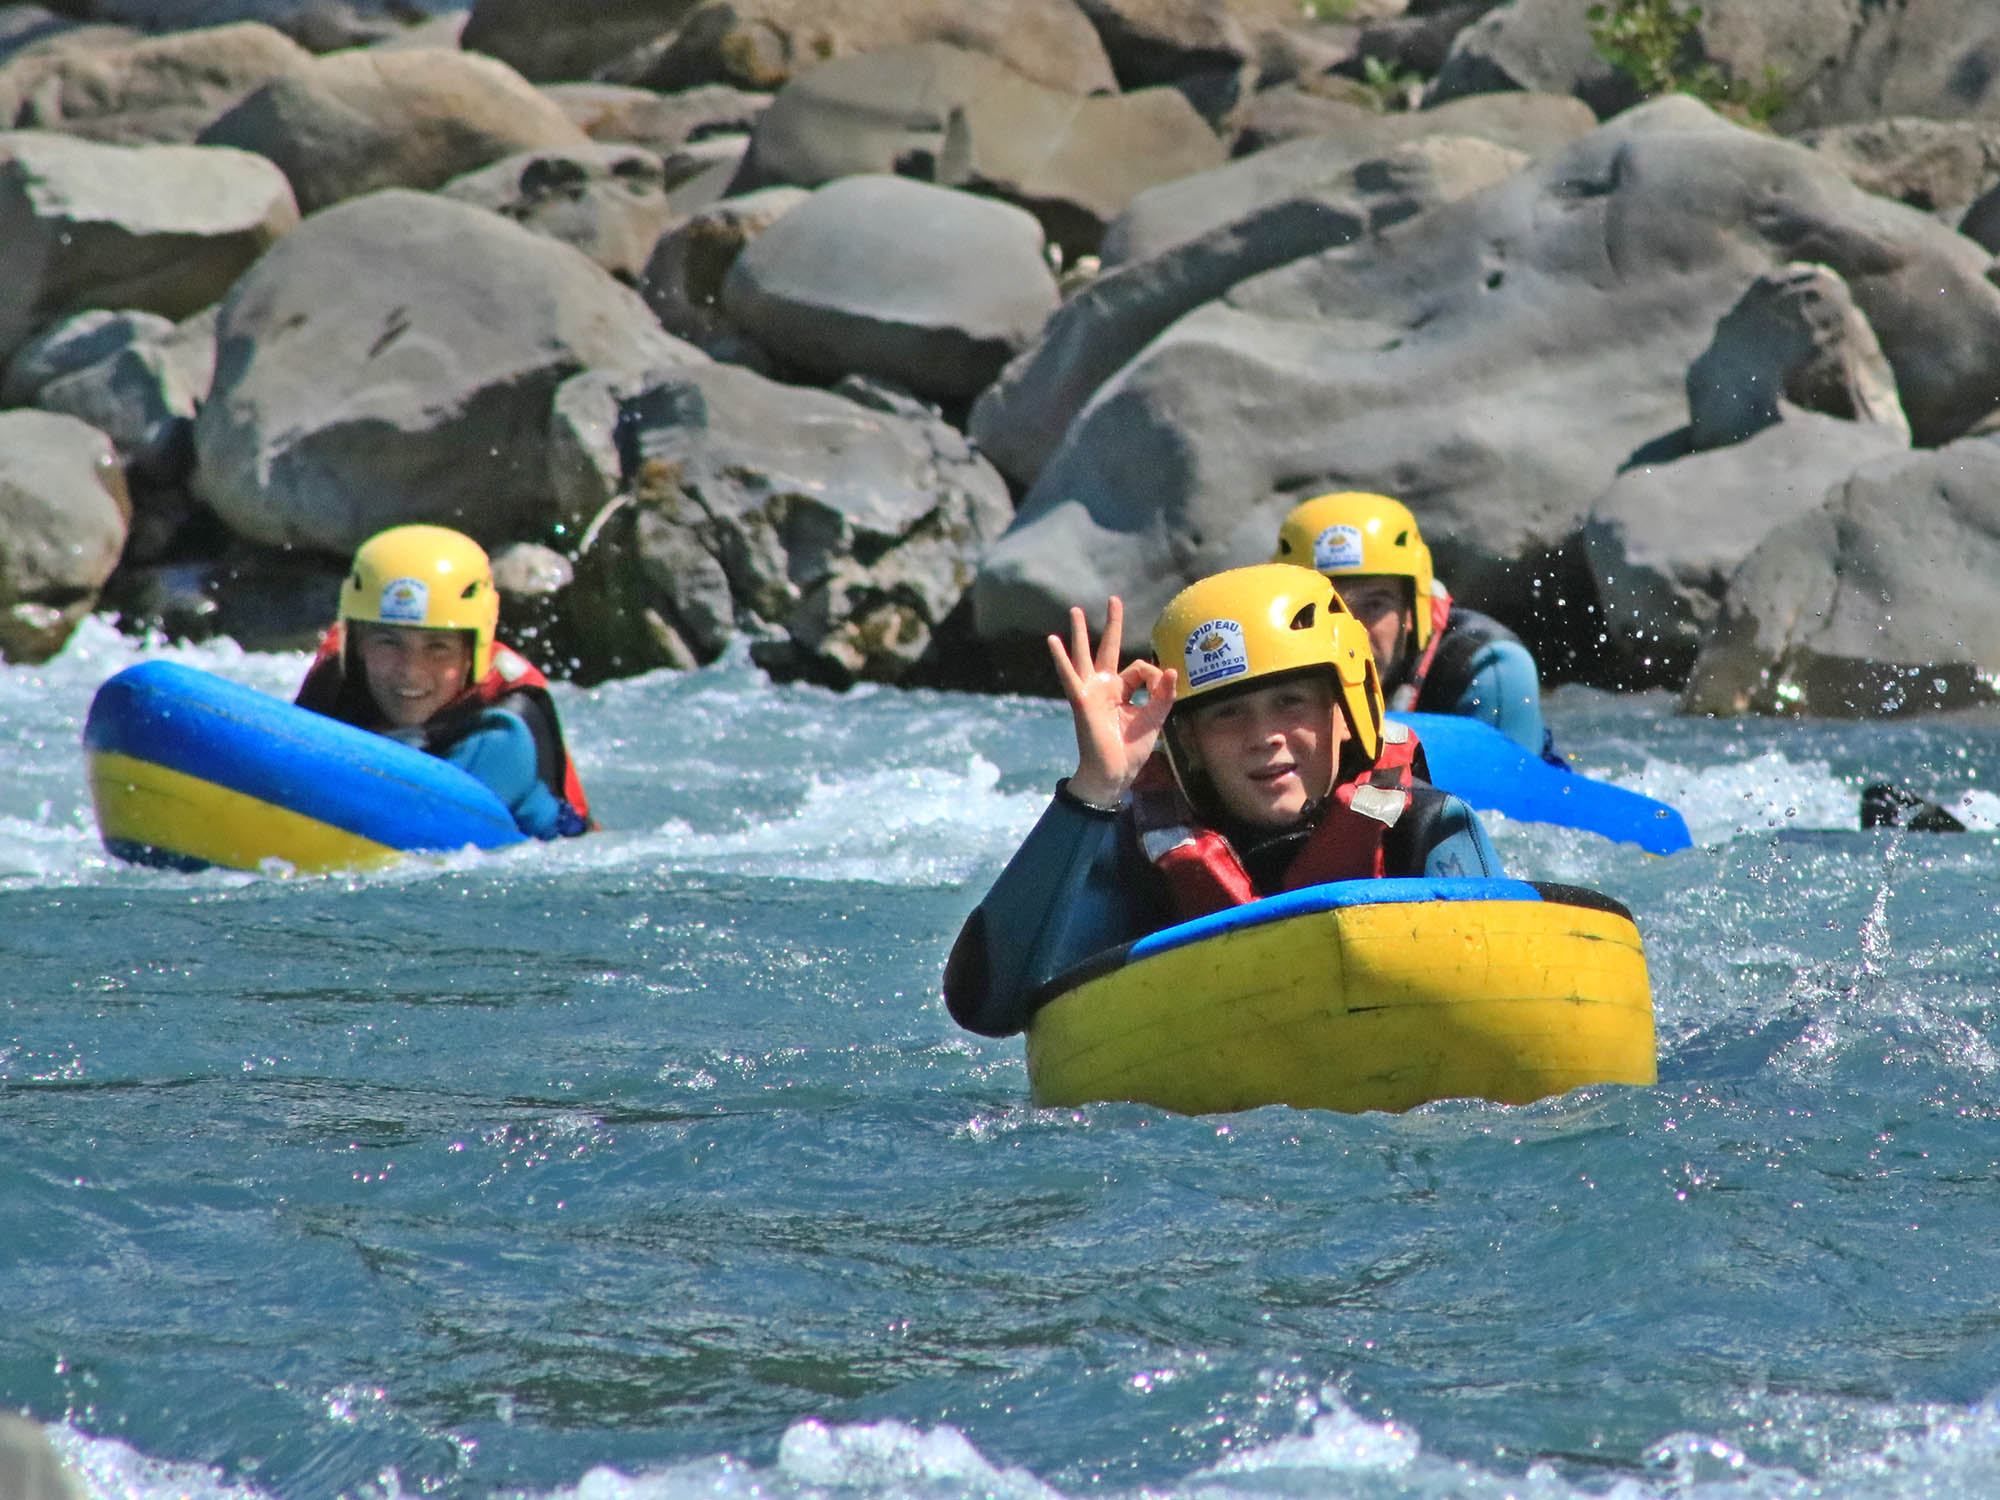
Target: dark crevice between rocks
column 1550, row 601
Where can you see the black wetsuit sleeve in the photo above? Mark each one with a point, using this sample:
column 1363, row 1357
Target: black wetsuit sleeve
column 1438, row 835
column 1062, row 897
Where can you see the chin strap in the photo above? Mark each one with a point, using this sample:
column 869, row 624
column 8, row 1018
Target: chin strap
column 1404, row 698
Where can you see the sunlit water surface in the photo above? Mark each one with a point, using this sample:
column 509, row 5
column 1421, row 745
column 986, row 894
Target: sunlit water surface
column 651, row 1166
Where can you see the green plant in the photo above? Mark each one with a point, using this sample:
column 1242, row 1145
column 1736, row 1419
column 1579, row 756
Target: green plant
column 1649, row 41
column 1658, row 47
column 1328, row 10
column 1389, row 83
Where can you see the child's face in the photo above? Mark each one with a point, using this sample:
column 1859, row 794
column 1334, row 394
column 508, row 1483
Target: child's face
column 413, row 672
column 1270, row 752
column 1380, row 601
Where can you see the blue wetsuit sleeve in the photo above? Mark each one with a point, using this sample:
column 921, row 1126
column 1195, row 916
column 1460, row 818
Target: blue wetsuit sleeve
column 500, row 751
column 1458, row 843
column 1061, row 898
column 1505, row 691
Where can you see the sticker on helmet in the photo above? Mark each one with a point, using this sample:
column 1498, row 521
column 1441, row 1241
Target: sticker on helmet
column 405, row 601
column 1337, row 549
column 1215, row 653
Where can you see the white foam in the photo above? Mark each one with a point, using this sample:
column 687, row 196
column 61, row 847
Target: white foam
column 1753, row 796
column 918, row 825
column 111, row 1470
column 1857, row 1450
column 1340, row 1442
column 889, row 1460
column 1978, row 810
column 890, row 1456
column 97, row 650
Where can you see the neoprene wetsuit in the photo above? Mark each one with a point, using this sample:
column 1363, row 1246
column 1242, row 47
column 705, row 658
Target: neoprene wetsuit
column 1482, row 671
column 499, row 749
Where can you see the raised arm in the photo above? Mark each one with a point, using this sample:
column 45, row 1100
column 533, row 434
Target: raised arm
column 1115, row 734
column 1063, row 896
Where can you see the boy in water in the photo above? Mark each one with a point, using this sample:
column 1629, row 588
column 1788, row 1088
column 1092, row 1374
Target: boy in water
column 1435, row 656
column 413, row 656
column 1275, row 770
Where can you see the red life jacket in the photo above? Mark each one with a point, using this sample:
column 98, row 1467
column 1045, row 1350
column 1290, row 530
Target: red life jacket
column 328, row 690
column 1404, row 697
column 1203, row 873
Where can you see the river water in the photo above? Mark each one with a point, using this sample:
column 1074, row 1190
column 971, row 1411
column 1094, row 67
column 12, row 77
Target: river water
column 651, row 1166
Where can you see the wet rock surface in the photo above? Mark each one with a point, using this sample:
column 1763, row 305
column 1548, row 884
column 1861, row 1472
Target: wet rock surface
column 880, row 332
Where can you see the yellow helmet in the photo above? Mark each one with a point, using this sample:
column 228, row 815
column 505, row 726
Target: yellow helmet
column 1250, row 624
column 1356, row 532
column 425, row 577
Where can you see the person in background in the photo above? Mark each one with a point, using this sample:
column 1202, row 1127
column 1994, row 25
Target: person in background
column 413, row 656
column 1251, row 758
column 1435, row 656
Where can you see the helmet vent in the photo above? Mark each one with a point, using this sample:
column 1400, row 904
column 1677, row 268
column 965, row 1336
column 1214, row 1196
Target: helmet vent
column 1403, row 538
column 1303, row 620
column 471, row 590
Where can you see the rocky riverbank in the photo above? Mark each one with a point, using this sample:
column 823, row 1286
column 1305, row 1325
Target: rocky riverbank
column 881, row 331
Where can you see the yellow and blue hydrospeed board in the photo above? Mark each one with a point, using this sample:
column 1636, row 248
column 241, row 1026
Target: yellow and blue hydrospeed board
column 188, row 769
column 1358, row 995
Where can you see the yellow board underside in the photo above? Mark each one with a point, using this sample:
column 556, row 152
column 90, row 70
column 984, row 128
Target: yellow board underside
column 181, row 814
column 1363, row 1007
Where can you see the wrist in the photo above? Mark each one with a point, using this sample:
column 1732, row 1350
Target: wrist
column 1089, row 795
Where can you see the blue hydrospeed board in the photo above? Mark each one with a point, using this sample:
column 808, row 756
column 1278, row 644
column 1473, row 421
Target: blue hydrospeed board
column 1478, row 763
column 198, row 769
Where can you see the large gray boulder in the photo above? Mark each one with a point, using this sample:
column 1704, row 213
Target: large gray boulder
column 1179, row 211
column 355, row 121
column 1940, row 166
column 1218, row 49
column 63, row 513
column 931, row 289
column 1021, row 418
column 73, row 344
column 962, row 119
column 321, row 25
column 1495, row 361
column 1664, row 540
column 394, row 361
column 1287, row 112
column 568, row 43
column 618, row 113
column 1163, row 41
column 1879, row 602
column 162, row 229
column 763, row 44
column 684, row 279
column 139, row 380
column 1773, row 52
column 1930, row 58
column 610, row 202
column 1542, row 45
column 836, row 529
column 141, row 397
column 159, row 88
column 24, row 26
column 1795, row 336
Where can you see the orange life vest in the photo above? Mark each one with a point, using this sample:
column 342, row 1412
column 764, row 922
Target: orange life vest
column 326, row 690
column 1204, row 874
